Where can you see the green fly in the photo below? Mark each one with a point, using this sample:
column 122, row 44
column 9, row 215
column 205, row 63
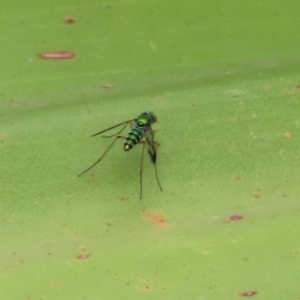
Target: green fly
column 141, row 133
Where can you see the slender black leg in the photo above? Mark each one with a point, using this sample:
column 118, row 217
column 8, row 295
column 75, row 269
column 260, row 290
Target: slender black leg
column 141, row 172
column 153, row 155
column 97, row 161
column 112, row 127
column 109, row 136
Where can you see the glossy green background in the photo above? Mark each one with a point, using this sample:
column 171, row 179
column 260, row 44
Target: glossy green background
column 223, row 79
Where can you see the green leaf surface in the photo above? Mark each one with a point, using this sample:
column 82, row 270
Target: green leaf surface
column 223, row 79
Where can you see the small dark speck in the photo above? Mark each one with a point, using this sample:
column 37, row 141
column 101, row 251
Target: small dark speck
column 124, row 198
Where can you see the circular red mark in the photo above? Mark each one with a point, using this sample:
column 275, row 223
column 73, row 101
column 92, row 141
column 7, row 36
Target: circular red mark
column 235, row 218
column 70, row 20
column 57, row 55
column 249, row 293
column 83, row 256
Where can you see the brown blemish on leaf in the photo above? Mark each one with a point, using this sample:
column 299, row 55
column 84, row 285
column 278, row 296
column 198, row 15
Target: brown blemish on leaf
column 3, row 137
column 70, row 20
column 257, row 196
column 107, row 86
column 249, row 293
column 156, row 218
column 59, row 55
column 235, row 218
column 124, row 198
column 83, row 256
column 288, row 135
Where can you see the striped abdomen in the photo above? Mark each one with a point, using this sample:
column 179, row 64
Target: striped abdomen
column 134, row 136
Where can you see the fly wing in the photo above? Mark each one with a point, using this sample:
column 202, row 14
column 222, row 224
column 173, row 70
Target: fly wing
column 152, row 151
column 152, row 145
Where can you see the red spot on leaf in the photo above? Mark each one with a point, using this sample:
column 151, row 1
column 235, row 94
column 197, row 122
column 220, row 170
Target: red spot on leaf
column 156, row 218
column 57, row 55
